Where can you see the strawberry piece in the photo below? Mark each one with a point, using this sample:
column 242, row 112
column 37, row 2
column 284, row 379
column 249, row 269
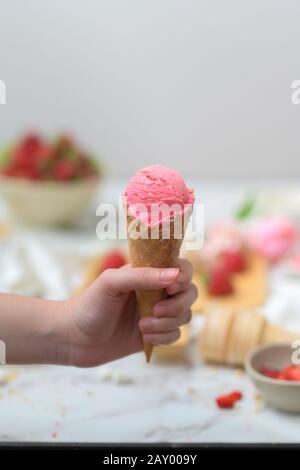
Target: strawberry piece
column 43, row 152
column 35, row 158
column 43, row 161
column 31, row 173
column 271, row 373
column 21, row 158
column 234, row 261
column 295, row 374
column 219, row 282
column 85, row 167
column 27, row 173
column 31, row 143
column 281, row 376
column 113, row 260
column 291, row 373
column 237, row 395
column 63, row 144
column 228, row 401
column 64, row 170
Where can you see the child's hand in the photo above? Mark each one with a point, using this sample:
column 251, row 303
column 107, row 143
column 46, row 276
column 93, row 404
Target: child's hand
column 102, row 323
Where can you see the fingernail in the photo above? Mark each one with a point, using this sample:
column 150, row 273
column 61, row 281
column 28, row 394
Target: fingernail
column 169, row 274
column 146, row 324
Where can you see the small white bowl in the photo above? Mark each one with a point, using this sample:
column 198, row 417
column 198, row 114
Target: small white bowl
column 281, row 394
column 47, row 203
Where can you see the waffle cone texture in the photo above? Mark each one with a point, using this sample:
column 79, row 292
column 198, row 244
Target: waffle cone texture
column 157, row 252
column 228, row 337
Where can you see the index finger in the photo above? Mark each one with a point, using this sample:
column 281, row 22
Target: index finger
column 184, row 278
column 121, row 281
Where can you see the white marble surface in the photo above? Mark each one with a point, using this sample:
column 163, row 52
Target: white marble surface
column 128, row 400
column 161, row 403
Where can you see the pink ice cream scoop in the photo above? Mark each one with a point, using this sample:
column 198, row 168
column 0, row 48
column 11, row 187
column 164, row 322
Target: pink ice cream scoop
column 156, row 186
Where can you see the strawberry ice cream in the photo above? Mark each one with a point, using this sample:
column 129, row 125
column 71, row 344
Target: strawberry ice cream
column 156, row 198
column 156, row 186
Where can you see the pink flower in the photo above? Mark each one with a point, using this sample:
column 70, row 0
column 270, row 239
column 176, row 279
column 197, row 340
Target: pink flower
column 273, row 237
column 224, row 236
column 295, row 262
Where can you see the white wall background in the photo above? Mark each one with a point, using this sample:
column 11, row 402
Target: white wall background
column 201, row 85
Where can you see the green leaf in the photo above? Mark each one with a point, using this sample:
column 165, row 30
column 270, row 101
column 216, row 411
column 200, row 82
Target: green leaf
column 72, row 155
column 204, row 278
column 247, row 209
column 4, row 157
column 95, row 165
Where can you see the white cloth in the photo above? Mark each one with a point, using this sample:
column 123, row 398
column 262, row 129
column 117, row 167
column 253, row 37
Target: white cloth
column 29, row 267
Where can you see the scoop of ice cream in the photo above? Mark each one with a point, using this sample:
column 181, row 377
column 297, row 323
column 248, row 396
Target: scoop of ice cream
column 156, row 186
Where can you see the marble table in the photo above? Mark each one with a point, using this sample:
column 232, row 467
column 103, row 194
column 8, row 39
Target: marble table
column 128, row 400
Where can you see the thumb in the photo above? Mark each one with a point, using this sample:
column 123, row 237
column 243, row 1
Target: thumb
column 122, row 281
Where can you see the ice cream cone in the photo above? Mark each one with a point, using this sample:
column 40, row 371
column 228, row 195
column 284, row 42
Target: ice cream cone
column 214, row 335
column 227, row 337
column 158, row 204
column 155, row 253
column 244, row 335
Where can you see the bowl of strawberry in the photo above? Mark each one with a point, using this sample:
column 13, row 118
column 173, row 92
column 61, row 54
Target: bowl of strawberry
column 47, row 183
column 275, row 371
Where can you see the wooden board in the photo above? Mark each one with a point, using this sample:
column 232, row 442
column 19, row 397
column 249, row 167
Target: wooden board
column 250, row 288
column 176, row 351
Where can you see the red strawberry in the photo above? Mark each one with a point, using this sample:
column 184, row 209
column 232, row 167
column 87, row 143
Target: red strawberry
column 234, row 261
column 219, row 282
column 20, row 158
column 291, row 373
column 271, row 373
column 43, row 160
column 31, row 173
column 31, row 143
column 64, row 170
column 280, row 376
column 43, row 152
column 112, row 260
column 27, row 173
column 85, row 167
column 63, row 145
column 228, row 401
column 34, row 158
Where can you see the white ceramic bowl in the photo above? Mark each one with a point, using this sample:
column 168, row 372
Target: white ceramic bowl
column 47, row 203
column 280, row 394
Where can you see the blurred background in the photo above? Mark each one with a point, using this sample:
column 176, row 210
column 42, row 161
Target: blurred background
column 97, row 90
column 203, row 86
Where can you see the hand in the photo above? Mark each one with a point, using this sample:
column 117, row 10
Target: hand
column 102, row 324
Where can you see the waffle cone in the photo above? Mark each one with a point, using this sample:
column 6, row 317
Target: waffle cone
column 155, row 253
column 245, row 335
column 214, row 336
column 227, row 336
